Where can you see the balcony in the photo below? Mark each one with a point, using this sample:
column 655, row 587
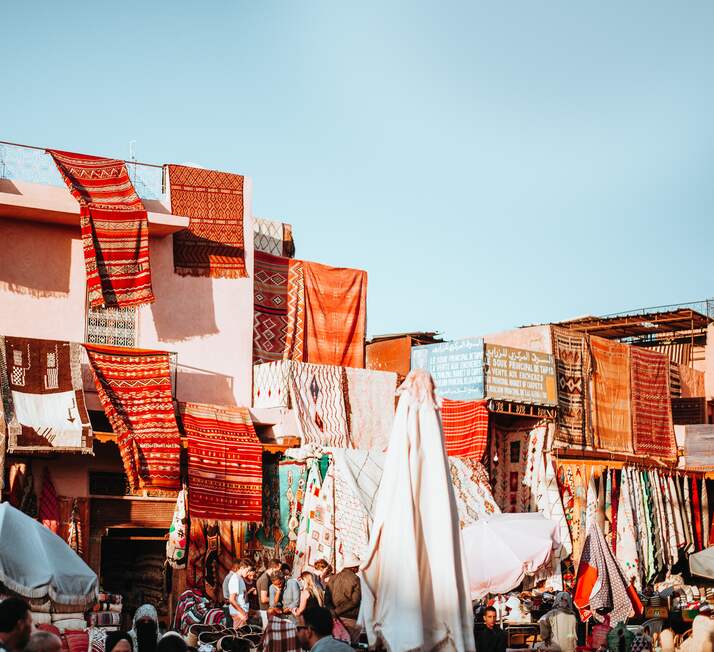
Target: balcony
column 31, row 188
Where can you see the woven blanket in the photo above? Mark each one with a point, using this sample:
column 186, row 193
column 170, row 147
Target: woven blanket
column 134, row 388
column 369, row 405
column 465, row 425
column 317, row 396
column 692, row 381
column 272, row 237
column 352, row 522
column 41, row 383
column 626, row 537
column 177, row 543
column 105, row 619
column 652, row 427
column 225, row 471
column 335, row 315
column 699, row 447
column 474, row 499
column 114, row 226
column 292, row 478
column 213, row 244
column 316, row 534
column 270, row 307
column 271, row 384
column 601, row 583
column 280, row 636
column 295, row 336
column 610, row 406
column 49, row 505
column 508, row 459
column 572, row 365
column 363, row 470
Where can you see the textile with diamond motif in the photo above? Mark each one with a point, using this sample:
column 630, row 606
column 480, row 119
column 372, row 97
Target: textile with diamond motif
column 134, row 388
column 270, row 307
column 114, row 226
column 43, row 396
column 213, row 245
column 317, row 397
column 273, row 237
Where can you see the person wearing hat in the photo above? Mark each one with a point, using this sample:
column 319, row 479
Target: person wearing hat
column 344, row 595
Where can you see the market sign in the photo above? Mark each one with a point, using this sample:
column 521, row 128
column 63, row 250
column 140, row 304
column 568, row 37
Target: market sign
column 520, row 376
column 456, row 367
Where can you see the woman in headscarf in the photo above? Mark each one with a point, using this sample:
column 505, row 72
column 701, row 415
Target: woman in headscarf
column 558, row 626
column 145, row 631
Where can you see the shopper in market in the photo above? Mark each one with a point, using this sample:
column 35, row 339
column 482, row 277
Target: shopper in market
column 291, row 590
column 311, row 594
column 263, row 584
column 558, row 626
column 314, row 632
column 324, row 573
column 15, row 624
column 42, row 641
column 238, row 598
column 491, row 638
column 145, row 632
column 343, row 596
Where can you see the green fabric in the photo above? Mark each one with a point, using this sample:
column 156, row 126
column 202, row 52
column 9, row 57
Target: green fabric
column 324, row 465
column 613, row 638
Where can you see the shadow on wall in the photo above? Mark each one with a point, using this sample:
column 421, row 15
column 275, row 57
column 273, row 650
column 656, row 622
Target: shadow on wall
column 35, row 259
column 184, row 304
column 195, row 386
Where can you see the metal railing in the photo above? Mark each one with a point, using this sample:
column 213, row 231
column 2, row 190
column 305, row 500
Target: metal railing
column 34, row 165
column 705, row 307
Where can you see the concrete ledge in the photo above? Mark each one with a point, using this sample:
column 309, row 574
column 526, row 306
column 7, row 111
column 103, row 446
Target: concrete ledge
column 34, row 202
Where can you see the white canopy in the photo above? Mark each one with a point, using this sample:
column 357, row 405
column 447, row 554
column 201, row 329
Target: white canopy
column 502, row 549
column 414, row 590
column 36, row 563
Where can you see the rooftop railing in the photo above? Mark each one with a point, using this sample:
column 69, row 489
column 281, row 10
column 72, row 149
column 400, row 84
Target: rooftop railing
column 34, row 165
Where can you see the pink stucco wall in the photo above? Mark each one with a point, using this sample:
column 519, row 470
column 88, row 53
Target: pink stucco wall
column 208, row 322
column 531, row 338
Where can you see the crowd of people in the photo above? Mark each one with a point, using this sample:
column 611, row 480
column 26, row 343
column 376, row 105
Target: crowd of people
column 319, row 605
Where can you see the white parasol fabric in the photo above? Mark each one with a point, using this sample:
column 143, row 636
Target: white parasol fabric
column 502, row 549
column 702, row 563
column 414, row 588
column 35, row 563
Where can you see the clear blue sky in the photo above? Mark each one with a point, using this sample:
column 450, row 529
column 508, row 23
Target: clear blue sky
column 490, row 164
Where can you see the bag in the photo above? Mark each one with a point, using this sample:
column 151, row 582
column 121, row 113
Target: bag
column 339, row 631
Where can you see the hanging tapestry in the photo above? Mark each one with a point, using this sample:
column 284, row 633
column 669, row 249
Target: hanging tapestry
column 465, row 426
column 572, row 483
column 265, row 540
column 610, row 406
column 316, row 395
column 352, row 523
column 295, row 336
column 271, row 384
column 213, row 244
column 270, row 307
column 652, row 427
column 273, row 237
column 601, row 586
column 114, row 226
column 626, row 548
column 112, row 326
column 44, row 396
column 689, row 411
column 572, row 365
column 692, row 382
column 363, row 468
column 510, row 451
column 316, row 533
column 335, row 315
column 3, row 431
column 177, row 543
column 212, row 547
column 49, row 514
column 369, row 406
column 474, row 499
column 225, row 472
column 134, row 388
column 292, row 480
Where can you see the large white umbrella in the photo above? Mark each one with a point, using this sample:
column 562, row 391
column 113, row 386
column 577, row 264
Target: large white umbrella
column 36, row 563
column 414, row 586
column 502, row 549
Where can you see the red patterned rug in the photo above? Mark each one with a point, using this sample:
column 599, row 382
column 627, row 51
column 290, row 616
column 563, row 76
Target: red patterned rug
column 213, row 245
column 115, row 229
column 465, row 425
column 270, row 307
column 225, row 463
column 652, row 428
column 134, row 388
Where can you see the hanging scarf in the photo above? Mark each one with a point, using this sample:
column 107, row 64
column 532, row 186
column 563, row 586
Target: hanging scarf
column 696, row 515
column 705, row 513
column 626, row 533
column 74, row 535
column 177, row 544
column 49, row 505
column 615, row 506
column 687, row 514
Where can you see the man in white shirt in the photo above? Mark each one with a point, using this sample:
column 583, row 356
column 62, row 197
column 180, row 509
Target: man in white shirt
column 237, row 591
